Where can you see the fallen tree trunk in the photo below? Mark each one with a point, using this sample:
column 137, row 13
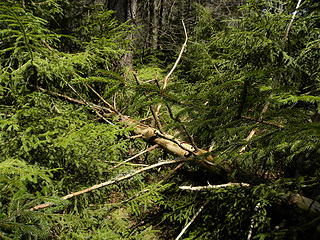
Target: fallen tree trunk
column 153, row 136
column 179, row 148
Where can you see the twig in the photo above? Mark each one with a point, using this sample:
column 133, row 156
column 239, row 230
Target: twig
column 199, row 188
column 110, row 182
column 166, row 79
column 145, row 190
column 292, row 19
column 253, row 131
column 191, row 221
column 102, row 99
column 70, row 99
column 183, row 127
column 154, row 115
column 156, row 119
column 263, row 122
column 170, row 174
column 137, row 155
column 88, row 104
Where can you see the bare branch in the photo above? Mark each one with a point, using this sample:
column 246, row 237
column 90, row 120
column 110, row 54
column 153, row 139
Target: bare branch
column 292, row 19
column 253, row 131
column 252, row 222
column 102, row 99
column 137, row 155
column 200, row 188
column 166, row 79
column 263, row 122
column 183, row 127
column 73, row 100
column 89, row 104
column 110, row 182
column 191, row 221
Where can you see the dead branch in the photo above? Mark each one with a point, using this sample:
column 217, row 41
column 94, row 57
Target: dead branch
column 166, row 79
column 303, row 203
column 137, row 155
column 89, row 105
column 149, row 134
column 200, row 188
column 156, row 119
column 191, row 221
column 263, row 122
column 170, row 174
column 103, row 100
column 292, row 19
column 253, row 131
column 183, row 127
column 154, row 115
column 295, row 199
column 73, row 100
column 252, row 222
column 110, row 182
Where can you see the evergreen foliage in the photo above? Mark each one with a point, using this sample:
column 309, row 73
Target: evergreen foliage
column 239, row 73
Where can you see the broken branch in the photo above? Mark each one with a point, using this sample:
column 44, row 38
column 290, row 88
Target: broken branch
column 191, row 221
column 107, row 183
column 166, row 79
column 137, row 155
column 200, row 188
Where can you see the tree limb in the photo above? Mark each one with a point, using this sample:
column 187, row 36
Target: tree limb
column 263, row 122
column 292, row 19
column 166, row 79
column 103, row 100
column 191, row 221
column 200, row 188
column 135, row 156
column 107, row 183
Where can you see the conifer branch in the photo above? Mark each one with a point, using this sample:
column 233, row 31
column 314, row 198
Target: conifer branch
column 110, row 182
column 192, row 220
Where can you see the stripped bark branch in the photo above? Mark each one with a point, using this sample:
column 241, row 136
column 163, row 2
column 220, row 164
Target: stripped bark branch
column 135, row 156
column 292, row 19
column 295, row 199
column 192, row 220
column 166, row 79
column 200, row 188
column 107, row 183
